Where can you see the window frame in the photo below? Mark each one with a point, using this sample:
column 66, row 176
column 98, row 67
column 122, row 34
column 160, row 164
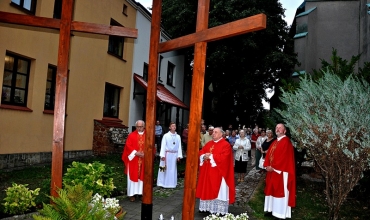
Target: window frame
column 57, row 12
column 114, row 40
column 13, row 87
column 124, row 9
column 21, row 6
column 112, row 90
column 145, row 71
column 170, row 73
column 51, row 93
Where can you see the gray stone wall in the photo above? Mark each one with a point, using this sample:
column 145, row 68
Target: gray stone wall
column 22, row 160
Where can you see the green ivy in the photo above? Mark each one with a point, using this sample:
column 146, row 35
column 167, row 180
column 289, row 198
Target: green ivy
column 95, row 176
column 19, row 199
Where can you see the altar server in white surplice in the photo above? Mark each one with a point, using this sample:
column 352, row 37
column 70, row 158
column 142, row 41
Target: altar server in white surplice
column 170, row 154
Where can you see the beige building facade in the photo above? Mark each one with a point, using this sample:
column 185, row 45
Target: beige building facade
column 99, row 79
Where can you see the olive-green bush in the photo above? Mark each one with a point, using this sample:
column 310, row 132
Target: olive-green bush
column 330, row 117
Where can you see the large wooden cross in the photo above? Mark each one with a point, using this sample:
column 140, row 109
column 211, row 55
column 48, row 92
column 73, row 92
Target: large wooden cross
column 65, row 25
column 199, row 40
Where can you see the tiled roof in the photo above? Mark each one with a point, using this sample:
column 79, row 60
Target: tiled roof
column 109, row 122
column 163, row 94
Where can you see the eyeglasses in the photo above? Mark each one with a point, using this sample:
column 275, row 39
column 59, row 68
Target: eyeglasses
column 210, row 130
column 139, row 126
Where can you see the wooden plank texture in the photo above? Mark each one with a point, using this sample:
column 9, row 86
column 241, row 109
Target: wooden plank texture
column 242, row 26
column 147, row 203
column 43, row 22
column 60, row 97
column 104, row 29
column 12, row 18
column 196, row 103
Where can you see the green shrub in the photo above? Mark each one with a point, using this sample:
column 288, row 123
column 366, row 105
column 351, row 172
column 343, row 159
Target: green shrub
column 93, row 176
column 74, row 203
column 19, row 199
column 330, row 117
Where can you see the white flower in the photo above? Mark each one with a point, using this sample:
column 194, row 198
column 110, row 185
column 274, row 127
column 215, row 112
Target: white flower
column 110, row 204
column 228, row 216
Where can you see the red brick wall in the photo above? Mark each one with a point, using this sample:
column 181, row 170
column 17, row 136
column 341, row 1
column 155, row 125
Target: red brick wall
column 103, row 143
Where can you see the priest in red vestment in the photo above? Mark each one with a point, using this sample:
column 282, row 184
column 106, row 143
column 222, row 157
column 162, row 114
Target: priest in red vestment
column 280, row 190
column 216, row 187
column 133, row 158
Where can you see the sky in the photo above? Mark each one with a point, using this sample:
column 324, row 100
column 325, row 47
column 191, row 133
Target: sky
column 290, row 7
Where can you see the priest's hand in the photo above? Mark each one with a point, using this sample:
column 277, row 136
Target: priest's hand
column 139, row 154
column 206, row 156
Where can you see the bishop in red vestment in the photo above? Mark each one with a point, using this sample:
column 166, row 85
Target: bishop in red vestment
column 280, row 190
column 133, row 158
column 216, row 187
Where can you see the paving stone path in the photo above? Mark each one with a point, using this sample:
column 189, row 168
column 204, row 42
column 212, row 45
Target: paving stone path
column 172, row 204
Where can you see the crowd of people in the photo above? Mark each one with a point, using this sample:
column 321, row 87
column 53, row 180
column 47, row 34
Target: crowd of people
column 222, row 156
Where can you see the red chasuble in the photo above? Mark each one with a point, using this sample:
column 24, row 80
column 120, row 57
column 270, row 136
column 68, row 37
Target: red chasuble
column 280, row 156
column 209, row 181
column 134, row 142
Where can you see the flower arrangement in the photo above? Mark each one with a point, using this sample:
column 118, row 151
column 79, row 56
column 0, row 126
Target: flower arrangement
column 111, row 205
column 228, row 216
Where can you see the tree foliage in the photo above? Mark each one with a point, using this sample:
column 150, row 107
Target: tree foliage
column 239, row 68
column 330, row 117
column 343, row 68
column 338, row 66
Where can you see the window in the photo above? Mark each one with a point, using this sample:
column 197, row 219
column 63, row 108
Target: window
column 159, row 68
column 116, row 43
column 27, row 5
column 57, row 9
column 145, row 72
column 170, row 72
column 124, row 10
column 15, row 81
column 111, row 101
column 50, row 88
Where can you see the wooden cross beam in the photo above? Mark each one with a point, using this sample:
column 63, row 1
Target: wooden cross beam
column 11, row 18
column 65, row 25
column 199, row 40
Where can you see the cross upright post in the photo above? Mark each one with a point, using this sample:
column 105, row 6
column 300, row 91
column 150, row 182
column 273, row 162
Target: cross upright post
column 199, row 40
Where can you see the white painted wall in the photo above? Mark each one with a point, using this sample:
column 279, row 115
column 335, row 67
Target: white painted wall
column 141, row 55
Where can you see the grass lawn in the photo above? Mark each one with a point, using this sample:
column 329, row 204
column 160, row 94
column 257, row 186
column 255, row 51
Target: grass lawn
column 311, row 202
column 39, row 177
